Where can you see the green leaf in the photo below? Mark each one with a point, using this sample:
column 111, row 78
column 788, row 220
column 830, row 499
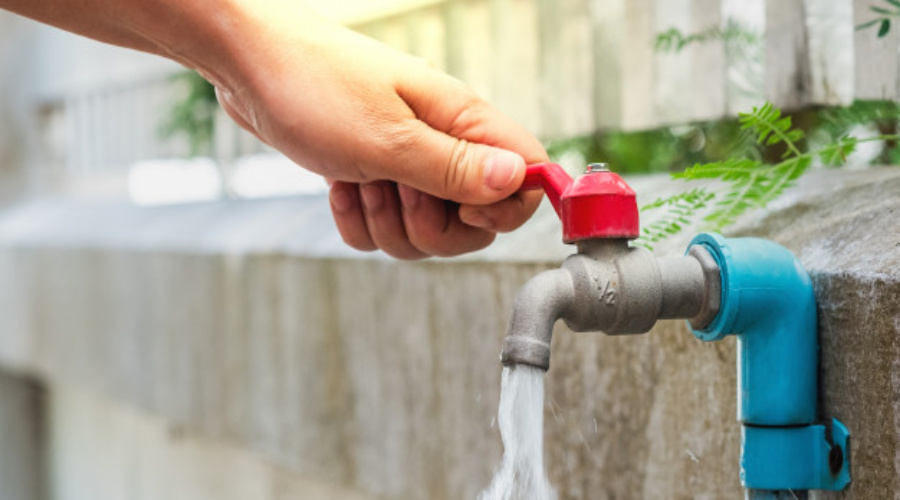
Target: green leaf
column 885, row 28
column 731, row 169
column 785, row 173
column 668, row 40
column 882, row 10
column 771, row 128
column 869, row 24
column 682, row 208
column 795, row 135
column 836, row 153
column 895, row 3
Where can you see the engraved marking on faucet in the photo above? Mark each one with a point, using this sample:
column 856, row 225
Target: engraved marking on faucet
column 607, row 292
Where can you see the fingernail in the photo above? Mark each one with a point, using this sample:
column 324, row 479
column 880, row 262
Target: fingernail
column 477, row 219
column 500, row 169
column 372, row 197
column 409, row 196
column 341, row 201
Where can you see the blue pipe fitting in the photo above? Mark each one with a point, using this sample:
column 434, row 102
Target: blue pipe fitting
column 811, row 457
column 768, row 303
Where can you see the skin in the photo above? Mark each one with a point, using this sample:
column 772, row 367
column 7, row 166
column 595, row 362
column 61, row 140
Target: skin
column 418, row 164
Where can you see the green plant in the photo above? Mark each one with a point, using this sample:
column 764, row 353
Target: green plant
column 680, row 210
column 666, row 149
column 883, row 117
column 733, row 33
column 749, row 182
column 744, row 50
column 891, row 9
column 194, row 114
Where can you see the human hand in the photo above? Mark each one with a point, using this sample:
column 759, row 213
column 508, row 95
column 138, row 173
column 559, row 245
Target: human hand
column 418, row 164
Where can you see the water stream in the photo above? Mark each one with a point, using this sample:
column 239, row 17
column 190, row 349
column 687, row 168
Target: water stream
column 520, row 475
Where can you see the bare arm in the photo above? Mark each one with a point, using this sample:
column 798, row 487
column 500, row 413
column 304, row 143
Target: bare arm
column 419, row 164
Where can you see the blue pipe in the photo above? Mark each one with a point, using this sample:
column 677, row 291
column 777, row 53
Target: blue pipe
column 768, row 303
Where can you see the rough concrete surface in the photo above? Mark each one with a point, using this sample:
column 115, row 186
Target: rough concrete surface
column 101, row 450
column 249, row 324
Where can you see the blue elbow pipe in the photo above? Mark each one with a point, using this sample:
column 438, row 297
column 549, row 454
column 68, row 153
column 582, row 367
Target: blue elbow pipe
column 768, row 303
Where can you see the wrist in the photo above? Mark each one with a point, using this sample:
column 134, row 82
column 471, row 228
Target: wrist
column 227, row 41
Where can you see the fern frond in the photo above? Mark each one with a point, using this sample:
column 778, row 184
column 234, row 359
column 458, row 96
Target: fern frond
column 737, row 200
column 782, row 177
column 682, row 208
column 757, row 189
column 734, row 32
column 731, row 169
column 749, row 183
column 772, row 128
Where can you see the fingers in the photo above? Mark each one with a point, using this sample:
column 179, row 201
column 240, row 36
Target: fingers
column 433, row 225
column 503, row 216
column 403, row 222
column 457, row 146
column 346, row 207
column 381, row 206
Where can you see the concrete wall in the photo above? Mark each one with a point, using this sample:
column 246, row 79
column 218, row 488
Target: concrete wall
column 248, row 331
column 100, row 449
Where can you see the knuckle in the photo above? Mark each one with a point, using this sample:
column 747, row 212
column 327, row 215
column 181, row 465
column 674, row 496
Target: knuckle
column 473, row 111
column 359, row 242
column 427, row 239
column 459, row 169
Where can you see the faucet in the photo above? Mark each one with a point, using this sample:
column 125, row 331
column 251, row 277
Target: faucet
column 608, row 285
column 748, row 287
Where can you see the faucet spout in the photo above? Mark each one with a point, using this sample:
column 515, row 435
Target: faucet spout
column 544, row 299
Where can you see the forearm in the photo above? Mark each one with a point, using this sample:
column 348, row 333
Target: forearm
column 215, row 37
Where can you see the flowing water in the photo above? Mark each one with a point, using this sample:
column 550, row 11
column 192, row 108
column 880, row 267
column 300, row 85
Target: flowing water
column 521, row 475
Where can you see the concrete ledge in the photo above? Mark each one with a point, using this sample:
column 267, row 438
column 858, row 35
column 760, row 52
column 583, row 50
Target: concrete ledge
column 251, row 323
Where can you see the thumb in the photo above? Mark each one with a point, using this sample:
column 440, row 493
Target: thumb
column 459, row 170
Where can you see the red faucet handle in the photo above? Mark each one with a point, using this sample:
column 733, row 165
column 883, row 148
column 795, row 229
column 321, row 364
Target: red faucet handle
column 598, row 204
column 551, row 178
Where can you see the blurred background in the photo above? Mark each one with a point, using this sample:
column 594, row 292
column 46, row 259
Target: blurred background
column 179, row 318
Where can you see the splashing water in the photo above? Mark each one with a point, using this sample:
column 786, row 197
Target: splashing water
column 521, row 475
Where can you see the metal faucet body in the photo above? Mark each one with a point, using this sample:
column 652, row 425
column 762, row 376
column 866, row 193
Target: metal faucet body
column 611, row 287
